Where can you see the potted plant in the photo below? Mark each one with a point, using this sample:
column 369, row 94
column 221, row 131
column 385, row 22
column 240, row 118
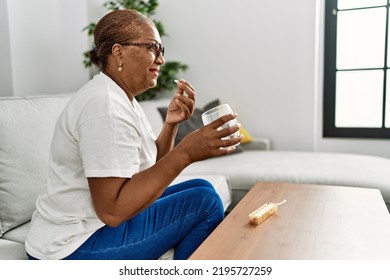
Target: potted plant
column 168, row 71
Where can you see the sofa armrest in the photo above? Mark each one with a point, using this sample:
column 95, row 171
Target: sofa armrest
column 258, row 143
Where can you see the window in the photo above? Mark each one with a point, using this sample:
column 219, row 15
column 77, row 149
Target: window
column 357, row 77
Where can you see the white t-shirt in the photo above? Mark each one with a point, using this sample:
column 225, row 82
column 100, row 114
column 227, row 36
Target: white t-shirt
column 100, row 133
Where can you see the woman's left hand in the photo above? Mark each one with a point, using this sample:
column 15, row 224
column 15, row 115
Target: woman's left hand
column 182, row 105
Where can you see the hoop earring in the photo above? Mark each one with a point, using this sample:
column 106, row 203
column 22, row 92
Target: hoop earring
column 120, row 66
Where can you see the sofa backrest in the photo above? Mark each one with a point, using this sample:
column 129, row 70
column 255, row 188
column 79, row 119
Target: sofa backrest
column 26, row 128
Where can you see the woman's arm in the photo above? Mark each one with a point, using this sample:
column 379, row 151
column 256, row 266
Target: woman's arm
column 180, row 109
column 166, row 139
column 118, row 199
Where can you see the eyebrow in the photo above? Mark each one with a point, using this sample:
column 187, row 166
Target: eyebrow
column 154, row 41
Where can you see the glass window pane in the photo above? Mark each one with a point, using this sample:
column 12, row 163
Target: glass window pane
column 361, row 45
column 349, row 4
column 359, row 98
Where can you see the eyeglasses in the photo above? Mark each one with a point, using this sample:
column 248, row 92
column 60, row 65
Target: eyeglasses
column 157, row 48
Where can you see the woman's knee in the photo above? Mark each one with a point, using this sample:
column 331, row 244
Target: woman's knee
column 198, row 182
column 202, row 183
column 211, row 198
column 186, row 185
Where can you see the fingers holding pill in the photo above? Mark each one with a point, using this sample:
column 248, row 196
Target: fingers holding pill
column 184, row 88
column 182, row 105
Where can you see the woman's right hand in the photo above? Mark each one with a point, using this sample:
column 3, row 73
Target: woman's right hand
column 207, row 142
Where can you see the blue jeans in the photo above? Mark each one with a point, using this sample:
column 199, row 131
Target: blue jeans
column 181, row 218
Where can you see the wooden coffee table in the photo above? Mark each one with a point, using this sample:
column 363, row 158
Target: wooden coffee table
column 316, row 222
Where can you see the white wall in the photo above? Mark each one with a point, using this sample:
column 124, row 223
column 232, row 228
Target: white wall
column 5, row 65
column 263, row 57
column 256, row 55
column 46, row 45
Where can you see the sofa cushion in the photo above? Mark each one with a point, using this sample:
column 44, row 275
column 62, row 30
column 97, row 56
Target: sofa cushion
column 26, row 128
column 247, row 137
column 18, row 234
column 339, row 169
column 11, row 250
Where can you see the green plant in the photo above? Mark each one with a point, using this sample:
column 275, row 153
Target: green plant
column 168, row 71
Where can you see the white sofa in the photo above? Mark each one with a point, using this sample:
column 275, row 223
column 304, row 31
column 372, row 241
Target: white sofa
column 26, row 128
column 26, row 125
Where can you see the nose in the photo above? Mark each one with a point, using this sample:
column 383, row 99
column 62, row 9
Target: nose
column 160, row 60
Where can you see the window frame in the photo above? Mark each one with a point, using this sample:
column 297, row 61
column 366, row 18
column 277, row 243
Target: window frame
column 329, row 105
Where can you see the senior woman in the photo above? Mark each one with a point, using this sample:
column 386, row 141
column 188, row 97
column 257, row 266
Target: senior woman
column 107, row 194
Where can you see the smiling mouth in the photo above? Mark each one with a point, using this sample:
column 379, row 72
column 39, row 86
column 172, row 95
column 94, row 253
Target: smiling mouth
column 154, row 71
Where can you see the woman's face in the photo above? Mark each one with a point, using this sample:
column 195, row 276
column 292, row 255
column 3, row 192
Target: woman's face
column 140, row 64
